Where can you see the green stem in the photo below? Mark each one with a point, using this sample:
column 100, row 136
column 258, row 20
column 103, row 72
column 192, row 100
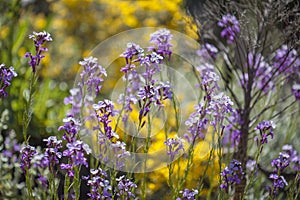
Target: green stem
column 28, row 107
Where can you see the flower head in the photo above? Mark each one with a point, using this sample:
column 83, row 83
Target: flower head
column 39, row 41
column 6, row 76
column 27, row 154
column 231, row 27
column 231, row 174
column 174, row 145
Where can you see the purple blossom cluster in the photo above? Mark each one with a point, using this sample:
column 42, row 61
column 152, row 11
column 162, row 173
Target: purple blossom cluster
column 6, row 76
column 219, row 105
column 188, row 194
column 278, row 181
column 75, row 153
column 265, row 129
column 52, row 153
column 141, row 87
column 286, row 60
column 232, row 174
column 209, row 83
column 287, row 157
column 293, row 157
column 107, row 137
column 231, row 27
column 39, row 40
column 27, row 154
column 105, row 110
column 71, row 128
column 174, row 146
column 197, row 124
column 125, row 187
column 152, row 95
column 88, row 88
column 161, row 39
column 100, row 185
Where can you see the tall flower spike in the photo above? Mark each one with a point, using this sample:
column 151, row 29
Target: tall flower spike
column 231, row 175
column 39, row 41
column 6, row 76
column 231, row 27
column 27, row 154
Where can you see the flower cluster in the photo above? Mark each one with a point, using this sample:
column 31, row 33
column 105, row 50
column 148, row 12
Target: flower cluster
column 293, row 157
column 52, row 154
column 231, row 175
column 161, row 39
column 88, row 88
column 71, row 128
column 39, row 40
column 124, row 188
column 286, row 60
column 100, row 186
column 219, row 105
column 105, row 110
column 174, row 145
column 188, row 194
column 91, row 75
column 197, row 123
column 265, row 129
column 75, row 153
column 6, row 76
column 279, row 164
column 27, row 154
column 141, row 87
column 231, row 27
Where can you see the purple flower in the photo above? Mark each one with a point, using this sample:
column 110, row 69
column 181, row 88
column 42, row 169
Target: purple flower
column 218, row 107
column 124, row 188
column 39, row 40
column 286, row 60
column 27, row 153
column 278, row 182
column 91, row 76
column 161, row 39
column 52, row 154
column 197, row 124
column 104, row 110
column 209, row 83
column 231, row 175
column 76, row 152
column 6, row 76
column 132, row 51
column 100, row 187
column 188, row 194
column 230, row 26
column 296, row 91
column 71, row 128
column 281, row 162
column 174, row 145
column 265, row 129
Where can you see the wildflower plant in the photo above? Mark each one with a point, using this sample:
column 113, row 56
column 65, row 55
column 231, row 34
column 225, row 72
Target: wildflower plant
column 256, row 66
column 107, row 141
